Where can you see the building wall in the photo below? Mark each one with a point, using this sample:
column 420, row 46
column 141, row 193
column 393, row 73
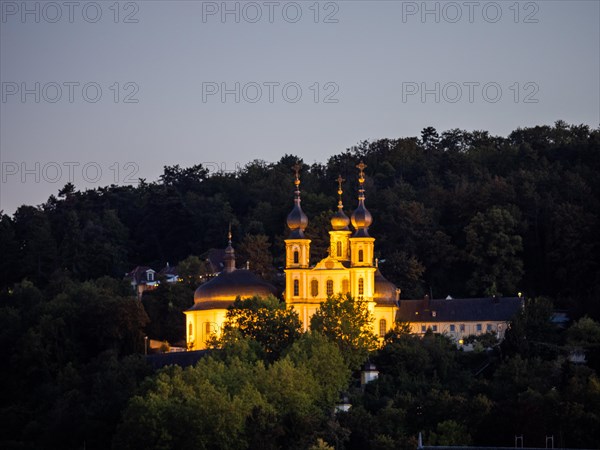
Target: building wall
column 204, row 324
column 461, row 329
column 387, row 314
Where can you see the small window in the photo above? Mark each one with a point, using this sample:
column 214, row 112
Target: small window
column 150, row 276
column 314, row 288
column 462, row 327
column 329, row 288
column 434, row 328
column 207, row 328
column 190, row 329
column 361, row 255
column 452, row 328
column 423, row 329
column 479, row 328
column 339, row 249
column 382, row 327
column 296, row 288
column 488, row 327
column 296, row 257
column 345, row 286
column 361, row 286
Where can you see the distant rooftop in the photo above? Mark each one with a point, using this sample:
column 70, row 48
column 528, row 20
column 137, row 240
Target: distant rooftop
column 459, row 309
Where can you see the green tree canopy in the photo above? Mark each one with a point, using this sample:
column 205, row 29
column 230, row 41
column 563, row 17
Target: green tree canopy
column 347, row 322
column 266, row 321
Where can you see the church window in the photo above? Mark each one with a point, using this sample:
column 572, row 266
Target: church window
column 345, row 286
column 462, row 327
column 452, row 328
column 314, row 288
column 382, row 327
column 296, row 288
column 423, row 329
column 361, row 286
column 339, row 249
column 190, row 329
column 360, row 255
column 434, row 328
column 488, row 327
column 207, row 328
column 329, row 288
column 479, row 328
column 296, row 256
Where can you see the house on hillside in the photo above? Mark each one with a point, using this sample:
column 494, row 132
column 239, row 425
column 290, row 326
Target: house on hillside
column 142, row 278
column 459, row 317
column 169, row 273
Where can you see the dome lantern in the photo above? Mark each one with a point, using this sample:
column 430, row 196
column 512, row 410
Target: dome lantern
column 229, row 258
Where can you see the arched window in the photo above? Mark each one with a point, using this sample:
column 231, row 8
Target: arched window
column 207, row 328
column 190, row 329
column 314, row 288
column 382, row 327
column 339, row 249
column 296, row 288
column 329, row 288
column 296, row 257
column 361, row 286
column 361, row 255
column 345, row 286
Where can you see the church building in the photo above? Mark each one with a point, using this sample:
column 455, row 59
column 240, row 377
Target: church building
column 350, row 268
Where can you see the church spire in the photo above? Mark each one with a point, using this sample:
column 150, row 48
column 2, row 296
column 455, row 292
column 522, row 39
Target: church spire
column 296, row 219
column 340, row 220
column 229, row 259
column 361, row 217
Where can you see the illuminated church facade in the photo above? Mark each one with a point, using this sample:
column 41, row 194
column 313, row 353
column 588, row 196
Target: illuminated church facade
column 350, row 268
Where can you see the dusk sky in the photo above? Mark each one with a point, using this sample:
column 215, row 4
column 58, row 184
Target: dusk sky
column 108, row 92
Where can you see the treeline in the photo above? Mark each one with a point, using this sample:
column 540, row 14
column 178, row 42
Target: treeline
column 459, row 213
column 74, row 377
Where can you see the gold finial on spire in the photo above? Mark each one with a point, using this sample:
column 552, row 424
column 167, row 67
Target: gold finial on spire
column 361, row 176
column 297, row 167
column 340, row 180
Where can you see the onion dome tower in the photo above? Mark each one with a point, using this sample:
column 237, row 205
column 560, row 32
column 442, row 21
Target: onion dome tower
column 340, row 220
column 361, row 244
column 296, row 219
column 339, row 237
column 297, row 248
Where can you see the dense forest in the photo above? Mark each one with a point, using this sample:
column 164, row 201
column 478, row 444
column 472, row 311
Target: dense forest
column 459, row 213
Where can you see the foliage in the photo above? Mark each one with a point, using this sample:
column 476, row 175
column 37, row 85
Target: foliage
column 191, row 270
column 267, row 321
column 233, row 404
column 493, row 246
column 502, row 213
column 165, row 306
column 347, row 322
column 255, row 250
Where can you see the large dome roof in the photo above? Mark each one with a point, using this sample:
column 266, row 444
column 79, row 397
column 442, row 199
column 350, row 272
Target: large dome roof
column 222, row 290
column 385, row 290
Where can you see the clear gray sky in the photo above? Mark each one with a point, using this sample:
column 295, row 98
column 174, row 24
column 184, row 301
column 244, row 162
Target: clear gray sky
column 108, row 92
